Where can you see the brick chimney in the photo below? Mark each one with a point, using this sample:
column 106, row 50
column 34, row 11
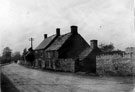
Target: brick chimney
column 74, row 29
column 94, row 43
column 45, row 36
column 58, row 31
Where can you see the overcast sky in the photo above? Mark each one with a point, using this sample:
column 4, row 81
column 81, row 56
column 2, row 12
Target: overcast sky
column 104, row 20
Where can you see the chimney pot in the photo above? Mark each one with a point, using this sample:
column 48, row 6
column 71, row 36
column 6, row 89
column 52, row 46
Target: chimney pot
column 94, row 43
column 45, row 36
column 74, row 29
column 58, row 31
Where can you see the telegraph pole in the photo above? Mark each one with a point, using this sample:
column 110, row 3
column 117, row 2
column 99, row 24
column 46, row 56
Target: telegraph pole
column 31, row 40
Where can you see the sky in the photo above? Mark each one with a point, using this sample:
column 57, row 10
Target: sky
column 108, row 21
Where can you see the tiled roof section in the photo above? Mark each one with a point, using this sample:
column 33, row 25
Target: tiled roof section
column 85, row 53
column 59, row 42
column 45, row 42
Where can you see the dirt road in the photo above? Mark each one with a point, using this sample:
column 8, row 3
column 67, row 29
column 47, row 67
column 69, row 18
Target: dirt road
column 30, row 80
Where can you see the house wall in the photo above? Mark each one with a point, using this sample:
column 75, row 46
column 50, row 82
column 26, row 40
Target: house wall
column 52, row 62
column 51, row 54
column 39, row 54
column 42, row 57
column 66, row 65
column 88, row 64
column 50, row 57
column 74, row 47
column 71, row 49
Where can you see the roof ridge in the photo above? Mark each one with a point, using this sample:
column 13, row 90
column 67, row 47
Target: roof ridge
column 50, row 36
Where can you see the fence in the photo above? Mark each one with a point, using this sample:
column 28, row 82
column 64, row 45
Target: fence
column 115, row 64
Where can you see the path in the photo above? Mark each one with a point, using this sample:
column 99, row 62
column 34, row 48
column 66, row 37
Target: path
column 30, row 80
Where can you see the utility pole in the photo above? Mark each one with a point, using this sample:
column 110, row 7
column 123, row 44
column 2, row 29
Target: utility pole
column 31, row 40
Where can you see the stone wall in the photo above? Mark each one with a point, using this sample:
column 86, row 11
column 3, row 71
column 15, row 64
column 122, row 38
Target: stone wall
column 66, row 65
column 115, row 65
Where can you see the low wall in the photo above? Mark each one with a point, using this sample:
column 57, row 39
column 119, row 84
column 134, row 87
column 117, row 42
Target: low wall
column 66, row 65
column 115, row 65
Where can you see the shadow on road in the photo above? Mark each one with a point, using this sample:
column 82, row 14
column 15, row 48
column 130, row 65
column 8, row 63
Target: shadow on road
column 7, row 85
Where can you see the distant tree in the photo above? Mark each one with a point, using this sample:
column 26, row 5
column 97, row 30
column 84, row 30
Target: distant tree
column 106, row 47
column 16, row 56
column 6, row 55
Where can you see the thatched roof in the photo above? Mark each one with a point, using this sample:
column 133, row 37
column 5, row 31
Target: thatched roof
column 45, row 42
column 59, row 42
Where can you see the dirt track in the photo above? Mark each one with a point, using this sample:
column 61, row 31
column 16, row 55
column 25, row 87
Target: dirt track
column 30, row 80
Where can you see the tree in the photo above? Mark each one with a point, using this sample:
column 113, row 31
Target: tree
column 106, row 47
column 16, row 56
column 6, row 55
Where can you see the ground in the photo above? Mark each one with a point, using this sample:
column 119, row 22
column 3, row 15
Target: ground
column 24, row 79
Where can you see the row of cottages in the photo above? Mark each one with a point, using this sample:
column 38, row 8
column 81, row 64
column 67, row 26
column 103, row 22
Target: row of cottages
column 67, row 52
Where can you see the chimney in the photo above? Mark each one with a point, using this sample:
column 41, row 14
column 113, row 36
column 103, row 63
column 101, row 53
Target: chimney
column 58, row 31
column 74, row 29
column 45, row 36
column 93, row 44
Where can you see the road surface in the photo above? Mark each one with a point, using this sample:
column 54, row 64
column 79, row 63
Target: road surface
column 31, row 80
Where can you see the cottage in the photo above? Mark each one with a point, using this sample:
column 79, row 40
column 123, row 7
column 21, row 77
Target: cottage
column 72, row 46
column 130, row 50
column 40, row 49
column 88, row 57
column 68, row 52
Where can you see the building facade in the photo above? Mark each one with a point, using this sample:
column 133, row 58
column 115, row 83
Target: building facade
column 68, row 50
